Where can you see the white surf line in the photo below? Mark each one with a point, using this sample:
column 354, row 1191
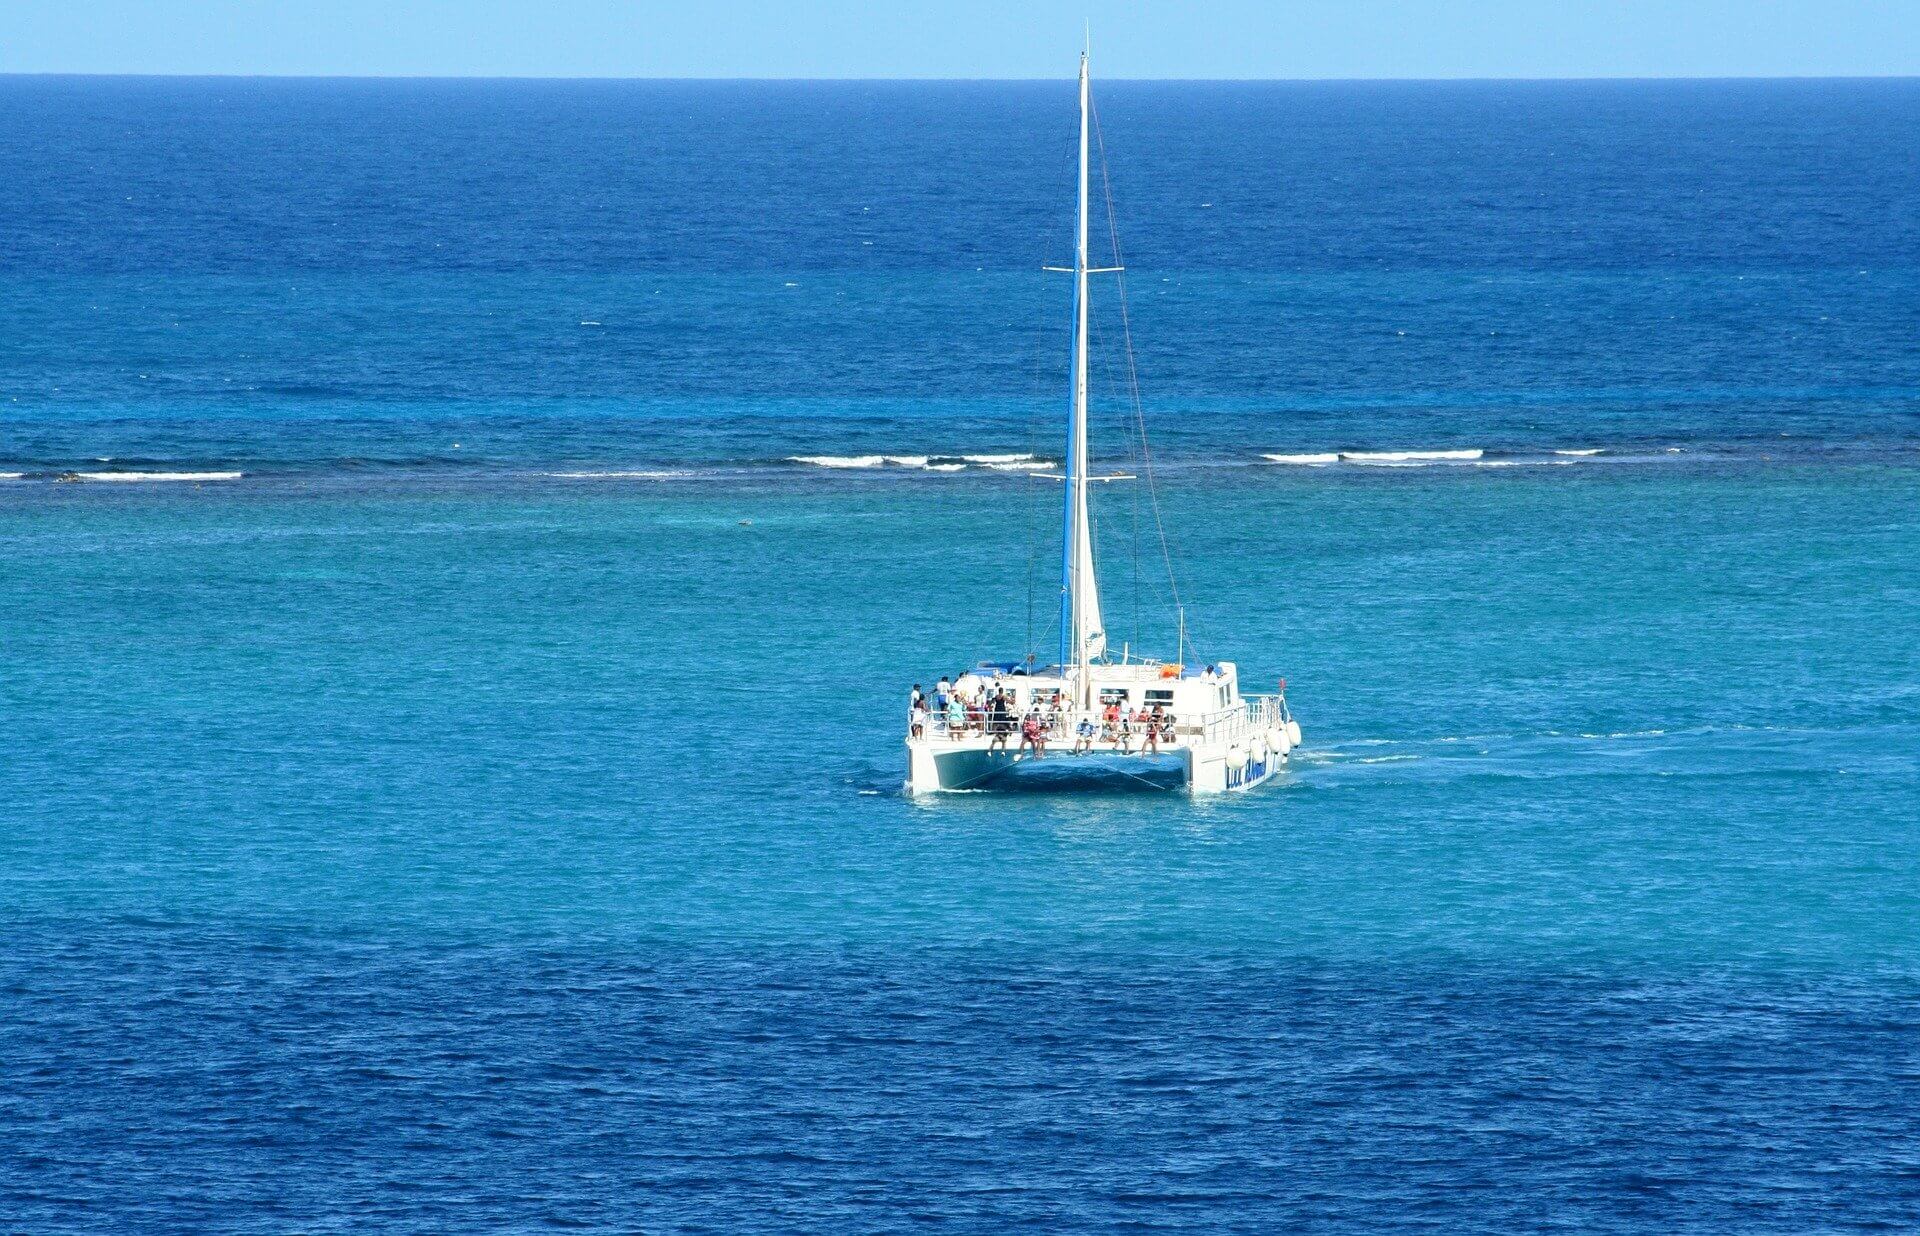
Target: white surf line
column 644, row 474
column 1363, row 457
column 839, row 461
column 159, row 476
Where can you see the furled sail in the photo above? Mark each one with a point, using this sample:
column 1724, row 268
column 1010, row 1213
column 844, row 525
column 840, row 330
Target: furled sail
column 1082, row 633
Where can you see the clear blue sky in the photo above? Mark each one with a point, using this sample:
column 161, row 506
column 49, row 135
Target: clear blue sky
column 965, row 38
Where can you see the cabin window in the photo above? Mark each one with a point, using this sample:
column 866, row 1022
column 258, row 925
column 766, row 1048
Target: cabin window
column 1164, row 698
column 1113, row 695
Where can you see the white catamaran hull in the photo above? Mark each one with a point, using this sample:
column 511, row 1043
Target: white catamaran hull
column 1215, row 741
column 934, row 768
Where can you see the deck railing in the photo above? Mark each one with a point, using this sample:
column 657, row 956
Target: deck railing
column 1255, row 714
column 1260, row 714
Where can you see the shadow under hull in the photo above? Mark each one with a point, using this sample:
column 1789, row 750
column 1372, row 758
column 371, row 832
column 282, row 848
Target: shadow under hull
column 1096, row 771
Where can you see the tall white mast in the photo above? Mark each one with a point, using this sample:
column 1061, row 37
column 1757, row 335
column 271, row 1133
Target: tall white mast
column 1082, row 636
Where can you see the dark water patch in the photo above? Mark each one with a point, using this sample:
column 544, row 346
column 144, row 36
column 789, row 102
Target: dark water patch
column 199, row 1073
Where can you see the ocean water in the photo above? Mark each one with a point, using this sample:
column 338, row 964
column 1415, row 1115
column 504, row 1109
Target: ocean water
column 450, row 760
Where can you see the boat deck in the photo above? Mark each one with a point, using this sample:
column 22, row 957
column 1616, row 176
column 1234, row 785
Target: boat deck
column 1228, row 749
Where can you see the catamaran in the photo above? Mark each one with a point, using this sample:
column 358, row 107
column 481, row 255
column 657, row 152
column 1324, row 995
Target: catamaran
column 1133, row 717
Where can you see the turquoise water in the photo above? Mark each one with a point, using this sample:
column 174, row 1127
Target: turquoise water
column 1543, row 727
column 484, row 812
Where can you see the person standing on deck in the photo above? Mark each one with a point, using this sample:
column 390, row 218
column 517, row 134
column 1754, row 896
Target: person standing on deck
column 999, row 722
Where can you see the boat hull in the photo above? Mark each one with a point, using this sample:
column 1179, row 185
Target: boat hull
column 934, row 767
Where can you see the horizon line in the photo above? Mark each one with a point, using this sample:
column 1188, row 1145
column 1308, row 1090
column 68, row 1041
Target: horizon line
column 537, row 77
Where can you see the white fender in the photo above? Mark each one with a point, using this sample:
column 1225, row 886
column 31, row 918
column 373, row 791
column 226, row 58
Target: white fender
column 1236, row 757
column 1258, row 751
column 1293, row 732
column 1279, row 740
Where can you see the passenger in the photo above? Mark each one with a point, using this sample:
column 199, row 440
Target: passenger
column 942, row 692
column 917, row 717
column 956, row 715
column 1123, row 729
column 999, row 722
column 1033, row 734
column 1208, row 675
column 1149, row 729
column 1083, row 736
column 917, row 698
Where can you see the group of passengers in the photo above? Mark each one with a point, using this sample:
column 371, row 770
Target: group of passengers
column 971, row 706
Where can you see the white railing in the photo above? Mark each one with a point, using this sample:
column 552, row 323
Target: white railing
column 1060, row 728
column 1254, row 714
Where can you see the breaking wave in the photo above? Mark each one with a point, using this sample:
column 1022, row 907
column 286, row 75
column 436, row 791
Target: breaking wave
column 1381, row 459
column 635, row 474
column 1411, row 457
column 839, row 461
column 1012, row 461
column 154, row 476
column 1468, row 456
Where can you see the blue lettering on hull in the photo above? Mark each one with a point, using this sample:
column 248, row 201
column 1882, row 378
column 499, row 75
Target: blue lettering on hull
column 1248, row 773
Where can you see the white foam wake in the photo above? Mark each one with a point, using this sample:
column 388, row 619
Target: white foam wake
column 159, row 476
column 1591, row 450
column 1310, row 460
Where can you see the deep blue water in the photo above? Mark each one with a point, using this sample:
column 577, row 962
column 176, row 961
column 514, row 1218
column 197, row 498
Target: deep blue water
column 482, row 813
